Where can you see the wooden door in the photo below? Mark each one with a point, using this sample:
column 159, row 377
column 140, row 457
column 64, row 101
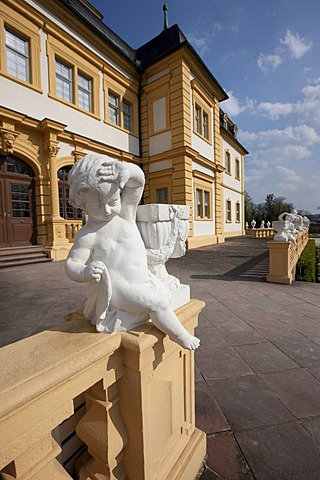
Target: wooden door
column 16, row 204
column 3, row 216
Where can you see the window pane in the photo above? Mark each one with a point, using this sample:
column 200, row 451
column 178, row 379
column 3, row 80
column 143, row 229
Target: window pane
column 237, row 169
column 206, row 204
column 64, row 81
column 238, row 212
column 84, row 93
column 20, row 200
column 127, row 116
column 228, row 162
column 228, row 211
column 205, row 125
column 14, row 165
column 113, row 109
column 162, row 195
column 17, row 56
column 197, row 119
column 199, row 202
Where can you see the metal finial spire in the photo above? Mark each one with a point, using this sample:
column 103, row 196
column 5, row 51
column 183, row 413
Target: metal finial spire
column 165, row 19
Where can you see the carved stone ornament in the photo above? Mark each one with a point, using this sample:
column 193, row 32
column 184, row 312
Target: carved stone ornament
column 164, row 230
column 109, row 252
column 8, row 139
column 77, row 154
column 53, row 150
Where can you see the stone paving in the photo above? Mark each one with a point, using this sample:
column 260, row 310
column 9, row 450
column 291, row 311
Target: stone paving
column 258, row 366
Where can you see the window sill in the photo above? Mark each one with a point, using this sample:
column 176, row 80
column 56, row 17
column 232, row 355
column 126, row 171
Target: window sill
column 75, row 107
column 207, row 140
column 21, row 82
column 118, row 127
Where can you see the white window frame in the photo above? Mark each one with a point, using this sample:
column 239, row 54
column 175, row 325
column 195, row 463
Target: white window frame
column 20, row 59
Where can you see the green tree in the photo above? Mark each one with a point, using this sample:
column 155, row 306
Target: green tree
column 268, row 211
column 274, row 206
column 249, row 208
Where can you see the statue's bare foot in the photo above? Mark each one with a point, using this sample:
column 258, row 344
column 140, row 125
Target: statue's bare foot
column 188, row 341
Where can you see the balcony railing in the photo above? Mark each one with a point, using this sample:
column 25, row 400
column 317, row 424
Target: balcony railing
column 71, row 229
column 261, row 232
column 138, row 421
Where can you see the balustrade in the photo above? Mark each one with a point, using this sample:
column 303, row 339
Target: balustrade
column 261, row 232
column 71, row 228
column 139, row 419
column 283, row 257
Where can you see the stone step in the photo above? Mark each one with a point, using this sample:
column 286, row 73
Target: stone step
column 24, row 261
column 24, row 255
column 18, row 250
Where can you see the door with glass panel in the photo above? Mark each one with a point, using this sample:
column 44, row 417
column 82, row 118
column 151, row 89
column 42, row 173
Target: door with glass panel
column 16, row 203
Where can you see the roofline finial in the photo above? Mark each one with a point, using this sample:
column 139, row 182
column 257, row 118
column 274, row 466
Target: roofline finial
column 165, row 19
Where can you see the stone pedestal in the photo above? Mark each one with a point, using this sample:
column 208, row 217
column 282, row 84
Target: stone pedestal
column 157, row 404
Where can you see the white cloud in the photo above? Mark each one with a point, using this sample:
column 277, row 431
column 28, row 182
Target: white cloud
column 288, row 174
column 308, row 107
column 275, row 110
column 296, row 45
column 217, row 27
column 269, row 62
column 302, row 135
column 200, row 42
column 233, row 107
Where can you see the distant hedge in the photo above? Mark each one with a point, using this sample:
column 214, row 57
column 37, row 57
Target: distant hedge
column 318, row 264
column 306, row 265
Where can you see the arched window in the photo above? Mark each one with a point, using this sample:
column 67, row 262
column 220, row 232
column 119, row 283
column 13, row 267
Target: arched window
column 67, row 211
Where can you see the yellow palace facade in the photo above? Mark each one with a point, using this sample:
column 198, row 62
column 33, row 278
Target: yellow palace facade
column 70, row 86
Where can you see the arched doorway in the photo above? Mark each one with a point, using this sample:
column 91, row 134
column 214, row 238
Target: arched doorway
column 17, row 225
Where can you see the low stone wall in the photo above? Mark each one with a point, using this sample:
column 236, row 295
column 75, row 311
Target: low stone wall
column 283, row 257
column 138, row 386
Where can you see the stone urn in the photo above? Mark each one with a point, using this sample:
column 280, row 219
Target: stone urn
column 164, row 230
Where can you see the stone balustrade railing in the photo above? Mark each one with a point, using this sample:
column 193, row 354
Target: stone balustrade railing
column 71, row 229
column 283, row 257
column 139, row 420
column 261, row 232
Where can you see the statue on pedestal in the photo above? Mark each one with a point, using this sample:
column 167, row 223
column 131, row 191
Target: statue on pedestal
column 110, row 255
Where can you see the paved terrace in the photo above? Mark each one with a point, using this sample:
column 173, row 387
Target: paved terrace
column 258, row 367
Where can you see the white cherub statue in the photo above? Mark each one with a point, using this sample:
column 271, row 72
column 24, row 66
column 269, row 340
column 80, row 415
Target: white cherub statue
column 110, row 255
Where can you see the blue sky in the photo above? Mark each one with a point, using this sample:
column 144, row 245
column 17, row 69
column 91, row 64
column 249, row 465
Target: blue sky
column 266, row 55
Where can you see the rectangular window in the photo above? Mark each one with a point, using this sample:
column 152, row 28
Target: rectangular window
column 237, row 169
column 198, row 119
column 228, row 162
column 228, row 211
column 113, row 108
column 64, row 77
column 162, row 195
column 238, row 212
column 203, row 209
column 84, row 92
column 127, row 115
column 17, row 56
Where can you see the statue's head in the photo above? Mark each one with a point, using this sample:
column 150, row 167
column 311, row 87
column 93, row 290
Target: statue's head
column 89, row 188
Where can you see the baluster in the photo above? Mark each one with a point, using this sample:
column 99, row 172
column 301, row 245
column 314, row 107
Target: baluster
column 102, row 429
column 38, row 462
